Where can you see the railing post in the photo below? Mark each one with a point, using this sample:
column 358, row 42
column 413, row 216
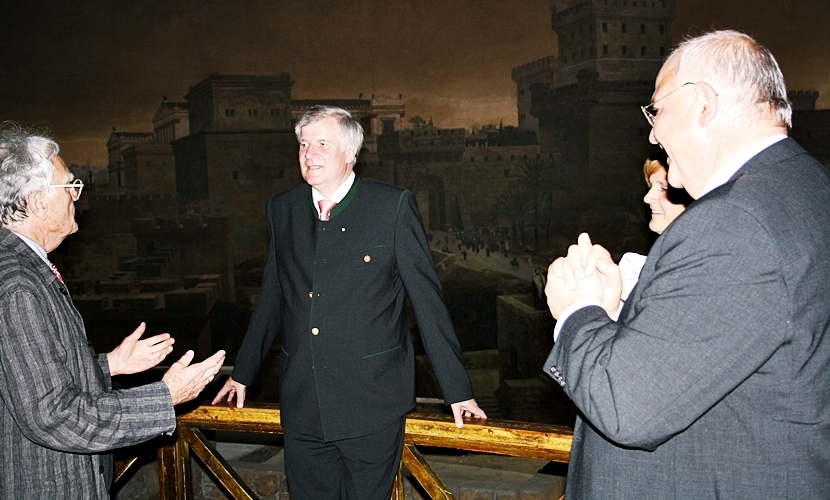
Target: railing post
column 184, row 479
column 397, row 488
column 167, row 471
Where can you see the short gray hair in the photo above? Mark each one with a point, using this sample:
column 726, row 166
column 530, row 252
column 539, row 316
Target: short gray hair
column 735, row 64
column 25, row 167
column 351, row 131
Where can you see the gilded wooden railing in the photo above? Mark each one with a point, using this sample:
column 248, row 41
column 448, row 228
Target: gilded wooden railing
column 503, row 437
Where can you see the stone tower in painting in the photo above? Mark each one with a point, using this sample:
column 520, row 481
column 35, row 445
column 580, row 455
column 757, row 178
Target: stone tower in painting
column 619, row 40
column 609, row 54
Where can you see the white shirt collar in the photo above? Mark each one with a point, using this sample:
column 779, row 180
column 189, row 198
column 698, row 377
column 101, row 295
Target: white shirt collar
column 736, row 161
column 338, row 194
column 34, row 246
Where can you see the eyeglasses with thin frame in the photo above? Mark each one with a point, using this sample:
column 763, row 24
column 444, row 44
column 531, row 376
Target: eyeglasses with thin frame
column 75, row 187
column 651, row 113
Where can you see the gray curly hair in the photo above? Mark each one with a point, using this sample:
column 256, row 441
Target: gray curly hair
column 25, row 167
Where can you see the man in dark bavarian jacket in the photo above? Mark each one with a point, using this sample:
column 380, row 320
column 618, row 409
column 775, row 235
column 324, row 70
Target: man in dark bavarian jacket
column 345, row 254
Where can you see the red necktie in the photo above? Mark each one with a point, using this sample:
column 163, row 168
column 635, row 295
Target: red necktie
column 56, row 272
column 325, row 208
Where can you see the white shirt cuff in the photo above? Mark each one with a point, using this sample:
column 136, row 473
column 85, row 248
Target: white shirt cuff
column 616, row 315
column 579, row 304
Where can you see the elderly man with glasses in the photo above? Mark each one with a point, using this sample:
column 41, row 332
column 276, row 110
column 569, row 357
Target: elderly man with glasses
column 715, row 380
column 59, row 416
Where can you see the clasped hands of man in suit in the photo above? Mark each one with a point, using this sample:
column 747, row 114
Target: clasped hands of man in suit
column 587, row 273
column 183, row 380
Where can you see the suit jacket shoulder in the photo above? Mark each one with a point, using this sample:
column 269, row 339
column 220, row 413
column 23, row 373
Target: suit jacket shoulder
column 14, row 275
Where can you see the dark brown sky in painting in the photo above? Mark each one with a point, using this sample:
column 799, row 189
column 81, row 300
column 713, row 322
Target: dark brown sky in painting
column 81, row 67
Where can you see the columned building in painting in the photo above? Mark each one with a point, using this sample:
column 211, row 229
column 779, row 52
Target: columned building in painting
column 117, row 143
column 142, row 162
column 380, row 114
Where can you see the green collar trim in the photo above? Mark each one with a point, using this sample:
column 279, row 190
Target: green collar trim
column 343, row 203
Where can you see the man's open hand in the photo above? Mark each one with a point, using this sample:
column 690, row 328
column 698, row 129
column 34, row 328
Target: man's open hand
column 134, row 355
column 186, row 381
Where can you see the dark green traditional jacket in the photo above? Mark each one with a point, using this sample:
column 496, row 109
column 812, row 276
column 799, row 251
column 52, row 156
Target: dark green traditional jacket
column 337, row 292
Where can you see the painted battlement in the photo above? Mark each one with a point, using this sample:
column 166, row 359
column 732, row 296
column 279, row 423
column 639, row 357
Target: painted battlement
column 617, row 8
column 133, row 198
column 216, row 226
column 533, row 67
column 803, row 100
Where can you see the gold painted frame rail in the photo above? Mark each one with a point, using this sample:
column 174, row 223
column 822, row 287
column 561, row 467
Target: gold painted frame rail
column 502, row 437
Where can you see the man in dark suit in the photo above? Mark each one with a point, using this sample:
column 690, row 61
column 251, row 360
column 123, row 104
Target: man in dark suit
column 345, row 254
column 59, row 415
column 715, row 381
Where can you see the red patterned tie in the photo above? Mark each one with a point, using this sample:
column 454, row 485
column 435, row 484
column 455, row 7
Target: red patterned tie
column 56, row 272
column 325, row 208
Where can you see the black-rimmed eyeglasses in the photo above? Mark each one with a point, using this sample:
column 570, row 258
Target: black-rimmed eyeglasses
column 75, row 187
column 650, row 112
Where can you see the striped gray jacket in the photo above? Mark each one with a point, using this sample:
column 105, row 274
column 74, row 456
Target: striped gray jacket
column 59, row 416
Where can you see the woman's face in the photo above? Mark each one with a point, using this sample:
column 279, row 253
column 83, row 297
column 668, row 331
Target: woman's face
column 663, row 212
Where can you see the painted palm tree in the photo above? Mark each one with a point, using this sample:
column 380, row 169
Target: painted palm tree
column 531, row 181
column 512, row 206
column 540, row 179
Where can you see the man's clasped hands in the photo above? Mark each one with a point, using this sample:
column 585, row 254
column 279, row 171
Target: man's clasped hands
column 586, row 276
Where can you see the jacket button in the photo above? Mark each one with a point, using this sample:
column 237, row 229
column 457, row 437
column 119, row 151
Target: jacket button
column 315, row 331
column 310, row 295
column 367, row 258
